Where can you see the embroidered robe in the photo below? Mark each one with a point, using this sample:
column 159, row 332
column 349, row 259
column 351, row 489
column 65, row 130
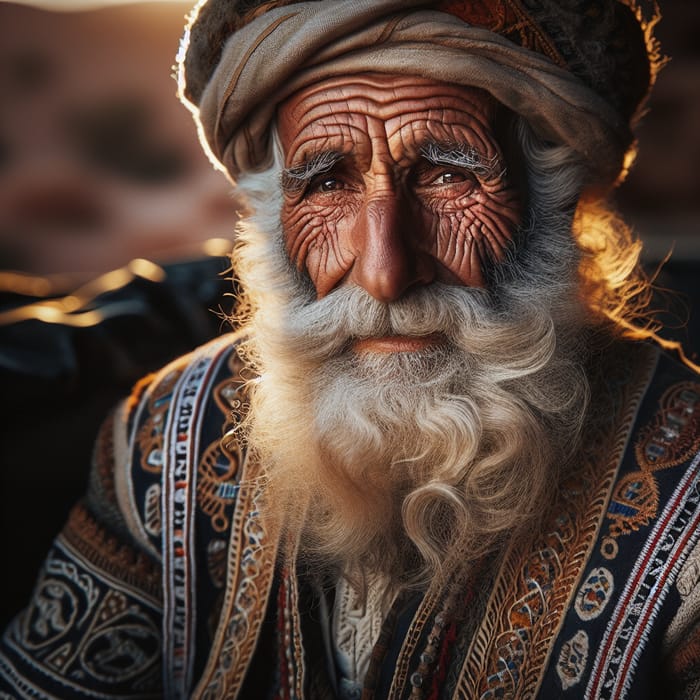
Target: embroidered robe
column 165, row 583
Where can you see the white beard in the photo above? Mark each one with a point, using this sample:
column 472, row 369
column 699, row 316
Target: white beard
column 393, row 464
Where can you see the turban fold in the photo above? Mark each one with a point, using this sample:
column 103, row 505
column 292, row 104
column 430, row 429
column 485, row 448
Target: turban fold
column 297, row 44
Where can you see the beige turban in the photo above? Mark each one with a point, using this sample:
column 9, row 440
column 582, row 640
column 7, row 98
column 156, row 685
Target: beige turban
column 290, row 47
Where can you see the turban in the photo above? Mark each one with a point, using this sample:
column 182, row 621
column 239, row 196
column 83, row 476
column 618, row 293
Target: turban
column 577, row 74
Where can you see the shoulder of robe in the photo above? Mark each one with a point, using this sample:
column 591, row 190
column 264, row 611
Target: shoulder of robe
column 94, row 625
column 673, row 436
column 636, row 608
column 177, row 427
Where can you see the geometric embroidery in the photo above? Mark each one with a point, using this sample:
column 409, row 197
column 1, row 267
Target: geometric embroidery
column 572, row 660
column 179, row 487
column 150, row 435
column 671, row 438
column 508, row 653
column 594, row 594
column 217, row 486
column 633, row 504
column 674, row 533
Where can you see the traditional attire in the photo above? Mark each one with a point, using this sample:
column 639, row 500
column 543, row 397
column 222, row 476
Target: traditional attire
column 166, row 581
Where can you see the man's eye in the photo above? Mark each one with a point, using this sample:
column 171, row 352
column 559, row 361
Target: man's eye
column 449, row 177
column 326, row 184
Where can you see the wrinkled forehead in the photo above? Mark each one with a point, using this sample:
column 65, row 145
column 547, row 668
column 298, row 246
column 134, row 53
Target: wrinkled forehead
column 348, row 113
column 383, row 94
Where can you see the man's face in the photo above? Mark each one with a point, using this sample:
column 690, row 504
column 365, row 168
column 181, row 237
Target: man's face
column 419, row 389
column 392, row 182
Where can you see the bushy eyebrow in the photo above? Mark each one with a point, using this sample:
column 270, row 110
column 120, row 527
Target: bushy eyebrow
column 462, row 156
column 295, row 178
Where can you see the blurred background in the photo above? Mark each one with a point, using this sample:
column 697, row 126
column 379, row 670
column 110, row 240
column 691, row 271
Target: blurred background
column 114, row 230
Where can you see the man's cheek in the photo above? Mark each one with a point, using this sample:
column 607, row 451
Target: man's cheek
column 315, row 241
column 470, row 238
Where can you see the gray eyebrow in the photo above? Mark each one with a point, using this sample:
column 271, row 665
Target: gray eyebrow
column 463, row 156
column 296, row 178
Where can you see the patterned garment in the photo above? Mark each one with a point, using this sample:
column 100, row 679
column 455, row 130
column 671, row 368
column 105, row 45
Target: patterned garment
column 165, row 583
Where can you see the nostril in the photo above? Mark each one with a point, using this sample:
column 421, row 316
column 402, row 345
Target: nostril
column 58, row 205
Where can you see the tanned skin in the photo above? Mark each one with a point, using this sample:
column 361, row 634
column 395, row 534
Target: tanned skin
column 393, row 182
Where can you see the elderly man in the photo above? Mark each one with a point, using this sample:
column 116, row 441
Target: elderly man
column 431, row 463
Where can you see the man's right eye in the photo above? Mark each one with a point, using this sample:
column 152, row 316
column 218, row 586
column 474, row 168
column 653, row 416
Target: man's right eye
column 326, row 184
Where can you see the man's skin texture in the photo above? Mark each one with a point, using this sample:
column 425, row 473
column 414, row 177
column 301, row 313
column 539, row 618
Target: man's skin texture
column 384, row 216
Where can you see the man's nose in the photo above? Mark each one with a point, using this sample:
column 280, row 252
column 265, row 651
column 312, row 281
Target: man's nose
column 388, row 261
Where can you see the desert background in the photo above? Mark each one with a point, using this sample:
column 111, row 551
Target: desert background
column 114, row 230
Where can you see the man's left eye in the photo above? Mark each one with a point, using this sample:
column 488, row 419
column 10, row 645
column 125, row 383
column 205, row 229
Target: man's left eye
column 449, row 177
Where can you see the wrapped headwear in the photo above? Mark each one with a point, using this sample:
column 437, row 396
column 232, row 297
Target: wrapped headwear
column 576, row 70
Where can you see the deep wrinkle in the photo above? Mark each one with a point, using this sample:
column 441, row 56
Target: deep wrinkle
column 392, row 183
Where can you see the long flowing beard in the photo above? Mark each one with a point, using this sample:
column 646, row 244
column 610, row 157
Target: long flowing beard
column 388, row 462
column 399, row 464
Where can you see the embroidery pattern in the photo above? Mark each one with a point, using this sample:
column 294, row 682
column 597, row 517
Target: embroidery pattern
column 178, row 497
column 86, row 627
column 532, row 591
column 217, row 485
column 86, row 536
column 291, row 654
column 250, row 571
column 675, row 532
column 153, row 521
column 150, row 435
column 528, row 611
column 427, row 610
column 665, row 442
column 572, row 660
column 670, row 439
column 594, row 594
column 286, row 670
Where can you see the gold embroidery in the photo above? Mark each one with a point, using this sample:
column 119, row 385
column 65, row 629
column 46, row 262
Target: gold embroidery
column 533, row 590
column 218, row 468
column 86, row 536
column 150, row 435
column 671, row 438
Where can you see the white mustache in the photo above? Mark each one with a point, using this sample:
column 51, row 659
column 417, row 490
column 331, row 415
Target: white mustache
column 329, row 324
column 511, row 340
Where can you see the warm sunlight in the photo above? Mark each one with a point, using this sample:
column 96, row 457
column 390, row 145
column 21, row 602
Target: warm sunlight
column 68, row 5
